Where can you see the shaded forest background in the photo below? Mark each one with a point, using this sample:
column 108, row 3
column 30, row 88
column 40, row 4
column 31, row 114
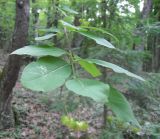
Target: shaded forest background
column 134, row 26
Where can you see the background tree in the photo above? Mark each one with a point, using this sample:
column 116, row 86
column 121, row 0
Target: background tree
column 11, row 69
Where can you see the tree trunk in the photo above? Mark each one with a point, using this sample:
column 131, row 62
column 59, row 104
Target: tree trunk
column 35, row 19
column 147, row 8
column 153, row 41
column 107, row 23
column 55, row 22
column 156, row 54
column 104, row 21
column 78, row 38
column 11, row 69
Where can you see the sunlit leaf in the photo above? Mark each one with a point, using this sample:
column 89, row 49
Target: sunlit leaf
column 89, row 67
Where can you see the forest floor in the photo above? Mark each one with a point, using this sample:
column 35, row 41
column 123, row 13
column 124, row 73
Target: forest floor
column 39, row 116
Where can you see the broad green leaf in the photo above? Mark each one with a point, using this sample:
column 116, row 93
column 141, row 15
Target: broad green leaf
column 101, row 30
column 99, row 40
column 114, row 68
column 46, row 74
column 94, row 89
column 84, row 32
column 69, row 26
column 89, row 67
column 120, row 106
column 46, row 37
column 39, row 51
column 66, row 8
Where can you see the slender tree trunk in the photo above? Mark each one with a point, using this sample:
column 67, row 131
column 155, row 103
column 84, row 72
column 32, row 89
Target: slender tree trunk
column 153, row 42
column 104, row 20
column 35, row 19
column 49, row 14
column 53, row 17
column 56, row 18
column 147, row 8
column 111, row 8
column 11, row 69
column 78, row 38
column 156, row 54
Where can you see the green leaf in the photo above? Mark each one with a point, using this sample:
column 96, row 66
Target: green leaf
column 114, row 68
column 99, row 40
column 39, row 51
column 69, row 26
column 101, row 30
column 94, row 89
column 46, row 74
column 120, row 106
column 66, row 8
column 84, row 32
column 89, row 67
column 46, row 37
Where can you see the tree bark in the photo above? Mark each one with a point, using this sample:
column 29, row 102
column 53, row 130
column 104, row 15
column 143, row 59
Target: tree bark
column 55, row 22
column 11, row 69
column 153, row 41
column 35, row 19
column 104, row 21
column 147, row 8
column 78, row 38
column 107, row 24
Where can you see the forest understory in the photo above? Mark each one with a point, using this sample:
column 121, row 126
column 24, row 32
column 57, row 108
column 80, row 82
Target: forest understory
column 79, row 69
column 38, row 115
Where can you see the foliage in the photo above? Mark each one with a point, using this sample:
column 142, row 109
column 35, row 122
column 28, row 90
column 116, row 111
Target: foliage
column 6, row 22
column 49, row 73
column 58, row 27
column 73, row 124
